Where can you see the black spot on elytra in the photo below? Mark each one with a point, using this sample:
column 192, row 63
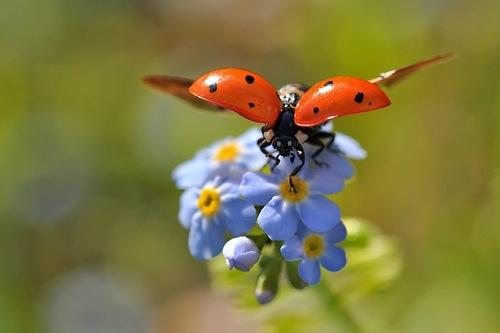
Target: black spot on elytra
column 369, row 103
column 251, row 105
column 328, row 83
column 316, row 110
column 359, row 97
column 249, row 79
column 213, row 87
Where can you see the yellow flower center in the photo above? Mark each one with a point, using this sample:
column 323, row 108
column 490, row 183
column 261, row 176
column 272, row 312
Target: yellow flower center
column 294, row 193
column 227, row 152
column 314, row 245
column 209, row 202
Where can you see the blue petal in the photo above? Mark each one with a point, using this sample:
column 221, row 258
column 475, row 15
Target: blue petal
column 309, row 271
column 337, row 234
column 328, row 127
column 333, row 259
column 292, row 249
column 206, row 238
column 278, row 219
column 192, row 173
column 251, row 136
column 324, row 181
column 318, row 213
column 229, row 189
column 350, row 147
column 341, row 165
column 258, row 188
column 337, row 164
column 302, row 232
column 238, row 216
column 188, row 206
column 285, row 167
column 252, row 159
column 231, row 172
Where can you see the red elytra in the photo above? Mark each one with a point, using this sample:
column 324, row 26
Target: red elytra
column 241, row 91
column 254, row 98
column 336, row 97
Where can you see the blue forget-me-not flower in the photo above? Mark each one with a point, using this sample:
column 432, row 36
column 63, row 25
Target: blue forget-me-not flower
column 229, row 158
column 284, row 207
column 211, row 211
column 313, row 249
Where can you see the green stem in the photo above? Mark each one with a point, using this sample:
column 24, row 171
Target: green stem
column 336, row 309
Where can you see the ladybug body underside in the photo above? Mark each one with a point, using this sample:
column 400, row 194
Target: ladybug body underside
column 286, row 137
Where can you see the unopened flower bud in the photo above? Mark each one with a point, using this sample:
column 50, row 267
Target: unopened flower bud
column 264, row 296
column 241, row 253
column 268, row 280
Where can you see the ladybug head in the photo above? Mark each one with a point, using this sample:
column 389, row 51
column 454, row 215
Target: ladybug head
column 290, row 94
column 285, row 144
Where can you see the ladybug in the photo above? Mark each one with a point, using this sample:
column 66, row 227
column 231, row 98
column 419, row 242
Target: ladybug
column 291, row 115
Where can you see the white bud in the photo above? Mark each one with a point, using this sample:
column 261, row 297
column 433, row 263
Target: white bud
column 241, row 253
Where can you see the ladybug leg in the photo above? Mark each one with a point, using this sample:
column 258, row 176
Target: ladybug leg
column 276, row 161
column 291, row 186
column 263, row 144
column 302, row 158
column 330, row 141
column 330, row 137
column 315, row 141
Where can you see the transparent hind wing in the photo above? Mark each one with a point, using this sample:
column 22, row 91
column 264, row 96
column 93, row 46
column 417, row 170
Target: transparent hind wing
column 394, row 76
column 179, row 87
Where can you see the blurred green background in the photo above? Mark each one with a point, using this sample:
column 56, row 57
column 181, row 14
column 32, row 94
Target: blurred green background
column 89, row 239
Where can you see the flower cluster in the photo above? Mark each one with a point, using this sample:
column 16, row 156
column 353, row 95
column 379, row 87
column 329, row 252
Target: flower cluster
column 236, row 204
